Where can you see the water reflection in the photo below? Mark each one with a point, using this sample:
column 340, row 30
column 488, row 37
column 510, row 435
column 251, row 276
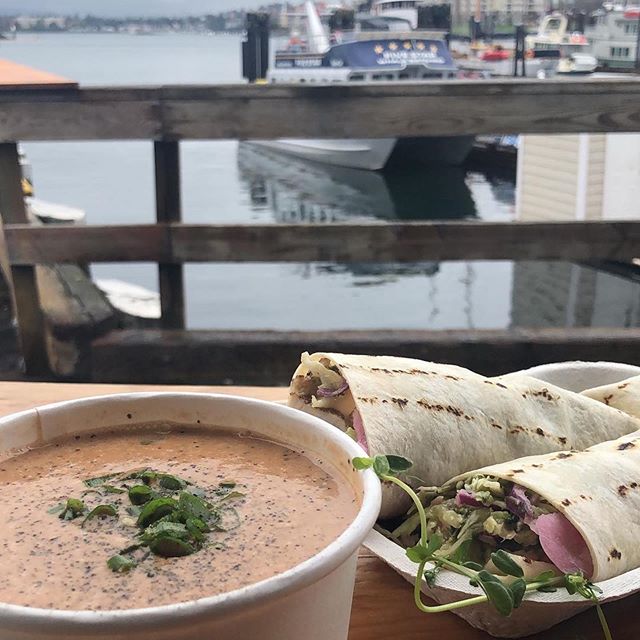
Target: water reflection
column 299, row 192
column 561, row 294
column 296, row 191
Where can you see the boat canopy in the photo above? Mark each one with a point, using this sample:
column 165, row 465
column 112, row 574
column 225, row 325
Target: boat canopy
column 393, row 53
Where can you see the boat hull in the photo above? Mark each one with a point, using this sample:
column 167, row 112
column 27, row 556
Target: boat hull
column 371, row 154
column 374, row 154
column 449, row 151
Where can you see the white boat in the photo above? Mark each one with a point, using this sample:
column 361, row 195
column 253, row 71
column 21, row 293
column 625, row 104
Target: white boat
column 371, row 154
column 574, row 48
column 41, row 210
column 367, row 57
column 490, row 61
column 613, row 33
column 131, row 299
column 405, row 10
column 301, row 192
column 52, row 213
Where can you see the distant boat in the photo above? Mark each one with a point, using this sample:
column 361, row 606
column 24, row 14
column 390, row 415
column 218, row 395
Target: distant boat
column 574, row 48
column 130, row 299
column 51, row 213
column 41, row 210
column 362, row 56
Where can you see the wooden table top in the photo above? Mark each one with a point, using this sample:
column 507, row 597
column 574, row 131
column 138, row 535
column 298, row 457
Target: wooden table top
column 18, row 76
column 383, row 601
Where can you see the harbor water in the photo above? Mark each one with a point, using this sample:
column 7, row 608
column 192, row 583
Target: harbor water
column 231, row 182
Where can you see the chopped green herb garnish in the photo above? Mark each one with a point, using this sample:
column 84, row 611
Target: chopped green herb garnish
column 193, row 506
column 109, row 488
column 171, row 547
column 99, row 480
column 74, row 508
column 167, row 481
column 156, row 509
column 101, row 510
column 140, row 494
column 171, row 517
column 120, row 564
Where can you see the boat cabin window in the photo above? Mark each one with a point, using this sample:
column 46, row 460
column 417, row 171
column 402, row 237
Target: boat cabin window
column 382, row 76
column 356, row 77
column 402, row 4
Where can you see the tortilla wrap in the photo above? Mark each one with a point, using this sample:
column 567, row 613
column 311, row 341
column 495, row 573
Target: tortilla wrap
column 623, row 395
column 597, row 490
column 447, row 419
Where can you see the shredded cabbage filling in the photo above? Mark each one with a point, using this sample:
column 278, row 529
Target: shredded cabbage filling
column 477, row 516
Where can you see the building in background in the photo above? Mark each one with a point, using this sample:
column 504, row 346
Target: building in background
column 578, row 177
column 613, row 34
column 575, row 177
column 499, row 12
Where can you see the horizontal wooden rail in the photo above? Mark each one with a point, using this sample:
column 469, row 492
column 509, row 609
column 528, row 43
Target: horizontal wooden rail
column 338, row 111
column 218, row 357
column 374, row 242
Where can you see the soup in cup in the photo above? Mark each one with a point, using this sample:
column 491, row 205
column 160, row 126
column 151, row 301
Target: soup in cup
column 179, row 515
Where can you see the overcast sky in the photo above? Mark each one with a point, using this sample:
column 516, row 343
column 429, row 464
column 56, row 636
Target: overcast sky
column 125, row 7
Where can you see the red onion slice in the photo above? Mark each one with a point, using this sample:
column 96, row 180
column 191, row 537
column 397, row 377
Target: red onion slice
column 325, row 392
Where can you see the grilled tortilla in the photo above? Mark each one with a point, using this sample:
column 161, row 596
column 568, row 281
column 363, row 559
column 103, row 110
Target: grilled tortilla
column 444, row 418
column 590, row 505
column 623, row 395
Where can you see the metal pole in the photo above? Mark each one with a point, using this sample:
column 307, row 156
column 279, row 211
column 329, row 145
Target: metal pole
column 638, row 45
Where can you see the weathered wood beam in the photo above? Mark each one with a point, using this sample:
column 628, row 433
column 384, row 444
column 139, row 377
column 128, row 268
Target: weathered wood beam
column 371, row 242
column 270, row 357
column 351, row 111
column 169, row 209
column 22, row 280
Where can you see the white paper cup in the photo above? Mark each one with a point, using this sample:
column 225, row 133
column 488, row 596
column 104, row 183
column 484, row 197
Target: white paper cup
column 311, row 601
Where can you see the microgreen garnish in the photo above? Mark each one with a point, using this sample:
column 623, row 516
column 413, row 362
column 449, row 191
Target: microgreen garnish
column 170, row 516
column 156, row 509
column 140, row 493
column 99, row 480
column 167, row 481
column 100, row 510
column 505, row 595
column 73, row 508
column 109, row 488
column 120, row 564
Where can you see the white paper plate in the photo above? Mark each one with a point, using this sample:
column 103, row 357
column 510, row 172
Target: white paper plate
column 539, row 611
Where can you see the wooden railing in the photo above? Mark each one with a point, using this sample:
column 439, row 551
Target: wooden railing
column 168, row 115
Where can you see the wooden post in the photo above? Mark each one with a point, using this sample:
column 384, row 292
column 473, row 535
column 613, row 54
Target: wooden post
column 168, row 209
column 23, row 278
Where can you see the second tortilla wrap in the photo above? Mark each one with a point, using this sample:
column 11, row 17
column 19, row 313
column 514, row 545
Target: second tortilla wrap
column 623, row 395
column 444, row 418
column 598, row 492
